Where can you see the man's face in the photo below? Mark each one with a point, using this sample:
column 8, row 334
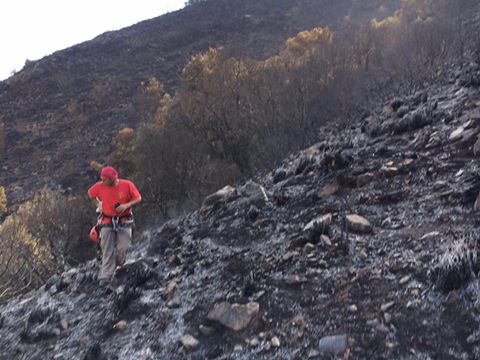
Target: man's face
column 108, row 181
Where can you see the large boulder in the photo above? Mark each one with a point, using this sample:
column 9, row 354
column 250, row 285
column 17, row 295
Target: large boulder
column 333, row 345
column 235, row 317
column 358, row 224
column 317, row 226
column 221, row 195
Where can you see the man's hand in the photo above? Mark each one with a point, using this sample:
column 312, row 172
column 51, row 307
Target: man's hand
column 121, row 208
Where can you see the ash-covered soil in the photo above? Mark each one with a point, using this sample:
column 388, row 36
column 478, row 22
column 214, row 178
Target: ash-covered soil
column 271, row 268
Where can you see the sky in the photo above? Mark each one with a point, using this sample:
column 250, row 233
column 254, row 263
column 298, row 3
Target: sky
column 32, row 29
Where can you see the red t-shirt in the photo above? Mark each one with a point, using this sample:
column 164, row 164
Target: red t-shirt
column 110, row 196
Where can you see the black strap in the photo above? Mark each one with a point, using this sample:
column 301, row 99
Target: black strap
column 119, row 217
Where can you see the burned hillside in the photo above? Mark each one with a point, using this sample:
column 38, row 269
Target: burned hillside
column 63, row 111
column 364, row 245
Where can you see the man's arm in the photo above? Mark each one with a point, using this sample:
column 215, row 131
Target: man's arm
column 122, row 207
column 96, row 199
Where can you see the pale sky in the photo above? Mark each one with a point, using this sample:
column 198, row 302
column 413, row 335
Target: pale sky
column 32, row 29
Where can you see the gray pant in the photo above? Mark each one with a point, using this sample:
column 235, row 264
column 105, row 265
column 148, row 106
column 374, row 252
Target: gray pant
column 114, row 244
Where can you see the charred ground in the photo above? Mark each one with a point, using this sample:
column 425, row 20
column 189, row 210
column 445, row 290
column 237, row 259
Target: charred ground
column 404, row 287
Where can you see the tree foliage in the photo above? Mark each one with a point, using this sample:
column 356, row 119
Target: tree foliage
column 40, row 238
column 2, row 139
column 236, row 116
column 3, row 201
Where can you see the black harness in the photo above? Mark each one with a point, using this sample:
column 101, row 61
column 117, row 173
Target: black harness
column 117, row 221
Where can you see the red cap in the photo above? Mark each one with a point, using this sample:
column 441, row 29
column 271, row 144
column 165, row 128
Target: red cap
column 109, row 172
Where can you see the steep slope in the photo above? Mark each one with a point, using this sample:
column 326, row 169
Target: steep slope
column 63, row 111
column 268, row 269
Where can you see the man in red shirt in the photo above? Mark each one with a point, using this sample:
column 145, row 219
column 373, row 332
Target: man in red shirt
column 116, row 198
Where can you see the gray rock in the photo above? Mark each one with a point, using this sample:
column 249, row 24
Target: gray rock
column 294, row 279
column 221, row 195
column 206, row 330
column 319, row 224
column 364, row 179
column 235, row 316
column 358, row 224
column 120, row 326
column 333, row 345
column 189, row 342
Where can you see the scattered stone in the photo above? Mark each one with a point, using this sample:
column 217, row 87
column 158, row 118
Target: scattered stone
column 456, row 134
column 326, row 240
column 387, row 306
column 238, row 348
column 430, row 234
column 289, row 255
column 189, row 342
column 364, row 179
column 404, row 279
column 276, row 341
column 254, row 342
column 235, row 316
column 382, row 328
column 120, row 326
column 353, row 308
column 170, row 290
column 387, row 317
column 333, row 345
column 358, row 224
column 330, row 189
column 474, row 337
column 318, row 225
column 56, row 332
column 389, row 171
column 174, row 303
column 268, row 346
column 294, row 279
column 206, row 330
column 64, row 324
column 221, row 195
column 313, row 354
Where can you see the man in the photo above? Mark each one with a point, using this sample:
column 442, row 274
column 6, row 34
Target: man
column 117, row 197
